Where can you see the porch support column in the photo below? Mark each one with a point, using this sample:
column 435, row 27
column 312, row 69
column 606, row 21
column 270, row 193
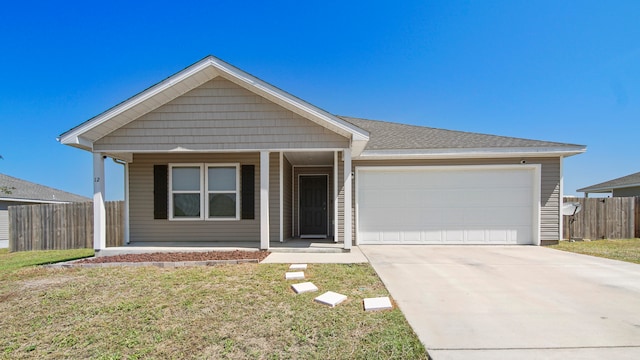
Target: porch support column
column 127, row 238
column 336, row 235
column 348, row 224
column 99, row 212
column 281, row 180
column 264, row 200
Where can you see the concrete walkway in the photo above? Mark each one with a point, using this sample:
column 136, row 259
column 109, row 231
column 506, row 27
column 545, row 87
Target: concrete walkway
column 513, row 302
column 352, row 257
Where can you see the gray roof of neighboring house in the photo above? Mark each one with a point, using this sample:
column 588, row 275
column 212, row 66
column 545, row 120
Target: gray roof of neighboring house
column 394, row 136
column 621, row 182
column 32, row 192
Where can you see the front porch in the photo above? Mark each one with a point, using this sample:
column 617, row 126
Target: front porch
column 274, row 196
column 289, row 246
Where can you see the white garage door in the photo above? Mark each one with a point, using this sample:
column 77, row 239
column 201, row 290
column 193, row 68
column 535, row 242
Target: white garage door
column 447, row 205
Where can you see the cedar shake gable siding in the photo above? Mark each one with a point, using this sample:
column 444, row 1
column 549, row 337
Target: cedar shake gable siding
column 217, row 116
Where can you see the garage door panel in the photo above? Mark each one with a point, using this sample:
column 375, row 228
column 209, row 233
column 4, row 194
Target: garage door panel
column 448, row 206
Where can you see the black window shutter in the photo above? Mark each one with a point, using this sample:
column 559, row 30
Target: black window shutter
column 248, row 192
column 160, row 191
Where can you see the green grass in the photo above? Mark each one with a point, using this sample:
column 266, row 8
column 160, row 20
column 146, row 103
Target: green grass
column 245, row 311
column 11, row 261
column 624, row 250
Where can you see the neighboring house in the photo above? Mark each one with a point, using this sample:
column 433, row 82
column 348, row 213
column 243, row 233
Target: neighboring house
column 213, row 153
column 14, row 191
column 623, row 186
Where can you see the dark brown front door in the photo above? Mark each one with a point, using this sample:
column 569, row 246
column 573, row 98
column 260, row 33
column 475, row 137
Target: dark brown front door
column 313, row 205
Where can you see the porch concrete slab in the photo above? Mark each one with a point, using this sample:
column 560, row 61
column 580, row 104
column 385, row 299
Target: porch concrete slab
column 353, row 257
column 154, row 247
column 508, row 302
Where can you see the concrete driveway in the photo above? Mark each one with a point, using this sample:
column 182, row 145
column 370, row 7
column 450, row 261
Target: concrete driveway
column 513, row 302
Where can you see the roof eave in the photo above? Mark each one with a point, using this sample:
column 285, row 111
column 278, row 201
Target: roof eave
column 470, row 153
column 605, row 189
column 39, row 201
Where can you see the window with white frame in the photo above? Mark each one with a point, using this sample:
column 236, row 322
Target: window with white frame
column 204, row 191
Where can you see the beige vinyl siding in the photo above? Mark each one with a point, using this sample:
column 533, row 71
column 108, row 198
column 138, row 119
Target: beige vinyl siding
column 549, row 192
column 287, row 190
column 274, row 196
column 630, row 191
column 341, row 200
column 219, row 115
column 4, row 221
column 143, row 227
column 315, row 170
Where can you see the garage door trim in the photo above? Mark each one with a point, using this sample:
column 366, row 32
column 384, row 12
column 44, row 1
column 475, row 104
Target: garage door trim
column 536, row 181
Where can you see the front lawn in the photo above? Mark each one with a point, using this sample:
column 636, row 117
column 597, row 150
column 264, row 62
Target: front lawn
column 230, row 311
column 625, row 250
column 11, row 261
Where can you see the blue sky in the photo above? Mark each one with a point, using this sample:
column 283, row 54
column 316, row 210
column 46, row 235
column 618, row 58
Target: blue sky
column 566, row 71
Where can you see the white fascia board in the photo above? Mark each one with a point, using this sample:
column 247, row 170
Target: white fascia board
column 182, row 150
column 286, row 98
column 72, row 136
column 468, row 153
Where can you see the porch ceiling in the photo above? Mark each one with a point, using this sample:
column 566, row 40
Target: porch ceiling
column 310, row 157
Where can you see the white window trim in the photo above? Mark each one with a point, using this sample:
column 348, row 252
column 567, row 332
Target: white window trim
column 204, row 191
column 207, row 191
column 171, row 192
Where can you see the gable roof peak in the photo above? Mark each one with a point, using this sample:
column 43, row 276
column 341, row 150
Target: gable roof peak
column 84, row 135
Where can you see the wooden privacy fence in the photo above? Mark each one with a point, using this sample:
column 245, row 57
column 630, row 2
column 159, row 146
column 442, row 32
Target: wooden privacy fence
column 604, row 218
column 61, row 226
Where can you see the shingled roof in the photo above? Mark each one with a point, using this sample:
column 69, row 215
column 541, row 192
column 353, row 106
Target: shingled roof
column 22, row 190
column 394, row 136
column 621, row 182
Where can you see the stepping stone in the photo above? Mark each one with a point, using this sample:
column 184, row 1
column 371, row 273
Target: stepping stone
column 298, row 267
column 379, row 303
column 331, row 298
column 304, row 287
column 296, row 275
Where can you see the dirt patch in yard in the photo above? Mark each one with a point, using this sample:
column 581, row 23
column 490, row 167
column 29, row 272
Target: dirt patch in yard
column 179, row 257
